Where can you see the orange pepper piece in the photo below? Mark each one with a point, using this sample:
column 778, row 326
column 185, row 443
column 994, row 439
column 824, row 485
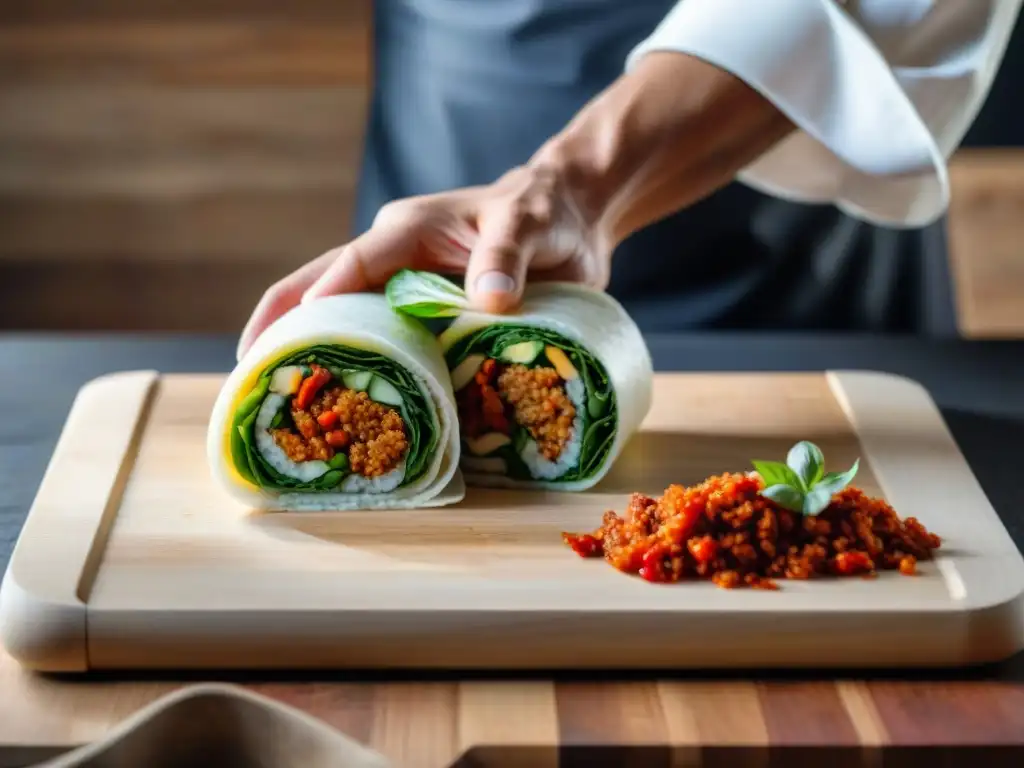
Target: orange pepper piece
column 310, row 386
column 327, row 419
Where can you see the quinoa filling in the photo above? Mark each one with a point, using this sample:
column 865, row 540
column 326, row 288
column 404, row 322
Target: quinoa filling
column 343, row 422
column 532, row 398
column 334, row 418
column 532, row 404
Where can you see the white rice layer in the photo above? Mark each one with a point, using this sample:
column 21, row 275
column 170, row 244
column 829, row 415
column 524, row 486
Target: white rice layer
column 305, row 471
column 544, row 469
column 356, row 483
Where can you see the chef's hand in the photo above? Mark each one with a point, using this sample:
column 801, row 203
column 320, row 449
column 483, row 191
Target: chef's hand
column 671, row 131
column 526, row 222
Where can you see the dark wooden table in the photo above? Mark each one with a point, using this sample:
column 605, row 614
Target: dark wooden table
column 892, row 718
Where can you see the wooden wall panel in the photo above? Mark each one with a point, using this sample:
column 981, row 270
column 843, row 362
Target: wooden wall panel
column 156, row 172
column 163, row 161
column 185, row 52
column 986, row 240
column 104, row 11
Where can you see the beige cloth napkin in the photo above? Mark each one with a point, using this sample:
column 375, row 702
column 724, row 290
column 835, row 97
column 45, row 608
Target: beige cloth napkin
column 220, row 726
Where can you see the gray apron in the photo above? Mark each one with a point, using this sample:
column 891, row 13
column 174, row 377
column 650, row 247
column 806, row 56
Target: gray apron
column 466, row 89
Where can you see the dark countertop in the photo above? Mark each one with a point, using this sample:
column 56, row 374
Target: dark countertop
column 978, row 385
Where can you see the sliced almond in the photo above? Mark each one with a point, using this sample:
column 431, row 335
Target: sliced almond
column 561, row 362
column 464, row 372
column 489, row 443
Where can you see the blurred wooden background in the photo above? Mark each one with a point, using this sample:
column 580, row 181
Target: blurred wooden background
column 163, row 161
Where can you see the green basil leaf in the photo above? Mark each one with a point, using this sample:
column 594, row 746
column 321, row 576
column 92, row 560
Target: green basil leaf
column 786, row 496
column 834, row 482
column 425, row 295
column 820, row 496
column 807, row 463
column 777, row 473
column 816, row 501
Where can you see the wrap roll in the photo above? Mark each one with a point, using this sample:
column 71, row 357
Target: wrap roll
column 548, row 396
column 340, row 404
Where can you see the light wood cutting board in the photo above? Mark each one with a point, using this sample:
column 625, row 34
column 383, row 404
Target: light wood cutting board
column 132, row 558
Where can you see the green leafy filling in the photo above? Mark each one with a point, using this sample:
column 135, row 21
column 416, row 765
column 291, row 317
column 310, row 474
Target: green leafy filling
column 416, row 413
column 599, row 418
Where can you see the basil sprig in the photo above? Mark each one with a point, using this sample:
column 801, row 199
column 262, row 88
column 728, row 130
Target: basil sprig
column 424, row 295
column 801, row 484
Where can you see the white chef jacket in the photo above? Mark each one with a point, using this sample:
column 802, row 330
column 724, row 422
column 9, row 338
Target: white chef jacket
column 882, row 91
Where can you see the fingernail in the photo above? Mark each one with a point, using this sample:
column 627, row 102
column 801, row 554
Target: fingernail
column 494, row 282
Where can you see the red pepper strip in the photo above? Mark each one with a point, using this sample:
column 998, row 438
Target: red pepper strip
column 310, row 386
column 703, row 549
column 653, row 564
column 584, row 544
column 327, row 419
column 337, row 439
column 650, row 573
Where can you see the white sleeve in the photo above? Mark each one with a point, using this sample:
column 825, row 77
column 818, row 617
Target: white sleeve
column 882, row 95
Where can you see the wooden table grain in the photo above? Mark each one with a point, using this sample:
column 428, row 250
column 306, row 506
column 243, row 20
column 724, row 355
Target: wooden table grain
column 658, row 720
column 814, row 718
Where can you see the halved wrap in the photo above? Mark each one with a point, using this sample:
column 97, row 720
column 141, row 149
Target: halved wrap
column 340, row 404
column 548, row 396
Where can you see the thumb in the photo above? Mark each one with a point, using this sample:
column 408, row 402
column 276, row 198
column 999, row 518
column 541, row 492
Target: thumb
column 498, row 263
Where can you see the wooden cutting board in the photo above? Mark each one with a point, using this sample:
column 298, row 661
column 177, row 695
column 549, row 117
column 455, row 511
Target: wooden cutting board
column 132, row 558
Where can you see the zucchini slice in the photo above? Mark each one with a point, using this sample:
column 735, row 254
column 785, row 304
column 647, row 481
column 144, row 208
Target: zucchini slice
column 525, row 352
column 357, row 380
column 384, row 392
